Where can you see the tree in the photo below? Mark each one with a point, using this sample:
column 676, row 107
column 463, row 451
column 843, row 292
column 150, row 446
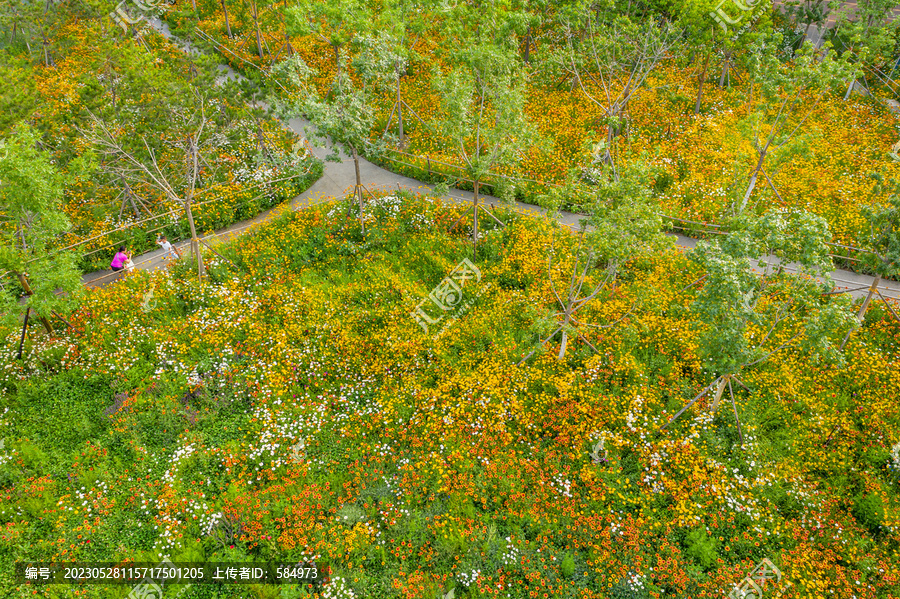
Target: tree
column 807, row 13
column 782, row 97
column 746, row 315
column 344, row 117
column 336, row 23
column 702, row 33
column 868, row 29
column 622, row 225
column 176, row 175
column 612, row 64
column 37, row 21
column 31, row 191
column 385, row 56
column 713, row 27
column 884, row 246
column 482, row 118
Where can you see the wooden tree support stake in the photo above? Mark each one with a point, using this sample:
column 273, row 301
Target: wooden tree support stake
column 689, row 404
column 736, row 417
column 67, row 323
column 888, row 304
column 210, row 248
column 831, row 434
column 488, row 212
column 459, row 220
column 873, row 289
column 24, row 329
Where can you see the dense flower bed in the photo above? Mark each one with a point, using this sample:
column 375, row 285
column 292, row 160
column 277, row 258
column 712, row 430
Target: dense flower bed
column 292, row 408
column 698, row 160
column 256, row 163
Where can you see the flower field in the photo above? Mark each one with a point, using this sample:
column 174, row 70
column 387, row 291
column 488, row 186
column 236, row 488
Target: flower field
column 699, row 163
column 140, row 89
column 291, row 408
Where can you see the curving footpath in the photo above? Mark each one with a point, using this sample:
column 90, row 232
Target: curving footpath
column 339, row 178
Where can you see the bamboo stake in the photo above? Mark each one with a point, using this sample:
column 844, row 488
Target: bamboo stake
column 23, row 281
column 834, row 430
column 888, row 304
column 475, row 221
column 56, row 314
column 465, row 212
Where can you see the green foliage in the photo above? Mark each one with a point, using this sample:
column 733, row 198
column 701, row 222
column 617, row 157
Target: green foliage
column 567, row 569
column 344, row 116
column 483, row 108
column 338, row 22
column 30, row 204
column 884, row 237
column 783, row 96
column 868, row 509
column 702, row 547
column 624, row 222
column 782, row 306
column 869, row 31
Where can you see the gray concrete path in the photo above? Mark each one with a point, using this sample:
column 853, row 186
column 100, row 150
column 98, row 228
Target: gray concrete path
column 339, row 178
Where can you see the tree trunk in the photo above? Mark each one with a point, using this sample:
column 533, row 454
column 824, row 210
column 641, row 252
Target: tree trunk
column 47, row 59
column 262, row 141
column 195, row 242
column 21, row 233
column 725, row 70
column 700, row 86
column 23, row 281
column 849, row 90
column 753, row 178
column 475, row 221
column 750, row 189
column 227, row 21
column 130, row 197
column 562, row 346
column 359, row 190
column 25, row 39
column 137, row 213
column 259, row 48
column 610, row 136
column 864, row 308
column 399, row 111
column 719, row 390
column 528, row 45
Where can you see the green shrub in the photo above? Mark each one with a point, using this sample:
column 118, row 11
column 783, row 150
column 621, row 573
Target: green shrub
column 567, row 568
column 869, row 511
column 702, row 547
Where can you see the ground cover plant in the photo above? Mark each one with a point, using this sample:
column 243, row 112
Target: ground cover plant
column 613, row 80
column 294, row 406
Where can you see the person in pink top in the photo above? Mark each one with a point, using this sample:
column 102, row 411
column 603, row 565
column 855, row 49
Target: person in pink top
column 119, row 260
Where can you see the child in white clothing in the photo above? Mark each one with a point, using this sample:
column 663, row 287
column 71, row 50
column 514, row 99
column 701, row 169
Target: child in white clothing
column 171, row 252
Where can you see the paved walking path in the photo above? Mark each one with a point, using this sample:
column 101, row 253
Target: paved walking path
column 339, row 178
